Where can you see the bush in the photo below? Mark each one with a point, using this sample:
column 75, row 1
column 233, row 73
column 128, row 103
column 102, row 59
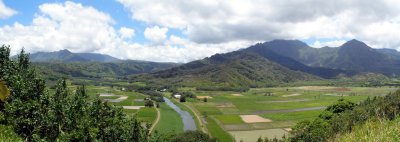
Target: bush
column 341, row 117
column 148, row 103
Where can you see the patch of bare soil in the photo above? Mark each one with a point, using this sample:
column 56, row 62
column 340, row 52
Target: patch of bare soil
column 254, row 119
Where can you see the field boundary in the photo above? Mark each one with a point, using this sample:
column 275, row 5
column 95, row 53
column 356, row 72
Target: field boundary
column 156, row 121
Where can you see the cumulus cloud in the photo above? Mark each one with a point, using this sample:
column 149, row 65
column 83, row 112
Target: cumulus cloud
column 218, row 21
column 126, row 32
column 156, row 34
column 333, row 43
column 5, row 11
column 62, row 26
column 208, row 26
column 81, row 28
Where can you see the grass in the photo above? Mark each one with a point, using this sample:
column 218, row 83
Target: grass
column 216, row 131
column 374, row 131
column 252, row 136
column 8, row 135
column 223, row 110
column 229, row 119
column 297, row 116
column 170, row 121
column 147, row 115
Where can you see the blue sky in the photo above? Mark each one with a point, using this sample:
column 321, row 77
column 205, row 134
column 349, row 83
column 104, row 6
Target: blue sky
column 28, row 8
column 182, row 31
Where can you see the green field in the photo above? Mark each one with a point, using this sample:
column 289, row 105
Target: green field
column 285, row 106
column 133, row 99
column 221, row 115
column 170, row 121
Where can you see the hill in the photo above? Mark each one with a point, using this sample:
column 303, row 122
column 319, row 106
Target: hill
column 120, row 69
column 283, row 56
column 353, row 56
column 67, row 56
column 227, row 71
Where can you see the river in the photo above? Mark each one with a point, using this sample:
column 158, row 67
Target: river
column 187, row 119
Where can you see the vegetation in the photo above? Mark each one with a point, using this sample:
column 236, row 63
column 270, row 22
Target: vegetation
column 34, row 113
column 374, row 130
column 344, row 116
column 168, row 117
column 235, row 71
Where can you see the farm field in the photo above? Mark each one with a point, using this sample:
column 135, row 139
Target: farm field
column 270, row 112
column 170, row 121
column 236, row 116
column 131, row 102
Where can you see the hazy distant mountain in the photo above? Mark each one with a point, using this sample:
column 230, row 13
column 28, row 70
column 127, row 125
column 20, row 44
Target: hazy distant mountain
column 354, row 56
column 269, row 50
column 55, row 70
column 392, row 53
column 67, row 56
column 64, row 63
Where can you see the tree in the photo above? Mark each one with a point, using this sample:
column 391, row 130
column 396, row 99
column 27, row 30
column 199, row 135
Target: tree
column 205, row 99
column 38, row 115
column 148, row 103
column 182, row 99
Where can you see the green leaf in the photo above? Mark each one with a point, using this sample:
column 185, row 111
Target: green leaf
column 4, row 92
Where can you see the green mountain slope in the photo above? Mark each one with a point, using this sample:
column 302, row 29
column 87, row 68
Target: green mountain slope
column 54, row 70
column 232, row 70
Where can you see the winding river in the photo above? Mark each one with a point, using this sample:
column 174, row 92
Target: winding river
column 187, row 119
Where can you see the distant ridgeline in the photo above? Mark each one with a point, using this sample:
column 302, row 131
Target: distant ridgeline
column 90, row 66
column 266, row 64
column 282, row 62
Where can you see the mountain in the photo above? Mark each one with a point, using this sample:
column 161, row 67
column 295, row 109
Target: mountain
column 67, row 56
column 231, row 70
column 392, row 53
column 353, row 56
column 283, row 57
column 56, row 70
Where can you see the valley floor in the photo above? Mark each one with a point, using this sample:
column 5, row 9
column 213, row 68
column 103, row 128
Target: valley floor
column 243, row 116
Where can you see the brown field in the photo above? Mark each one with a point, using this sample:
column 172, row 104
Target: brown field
column 253, row 135
column 132, row 107
column 254, row 119
column 237, row 95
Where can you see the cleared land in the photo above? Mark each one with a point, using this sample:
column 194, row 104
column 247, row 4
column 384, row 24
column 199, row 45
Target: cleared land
column 252, row 136
column 229, row 116
column 284, row 106
column 254, row 119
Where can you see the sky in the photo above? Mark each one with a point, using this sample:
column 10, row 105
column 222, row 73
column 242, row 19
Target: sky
column 183, row 31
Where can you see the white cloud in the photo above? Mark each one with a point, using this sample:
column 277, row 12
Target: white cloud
column 219, row 21
column 333, row 43
column 156, row 34
column 126, row 32
column 209, row 26
column 62, row 26
column 81, row 28
column 5, row 11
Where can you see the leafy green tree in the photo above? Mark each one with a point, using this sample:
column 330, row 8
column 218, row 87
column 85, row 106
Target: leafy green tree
column 65, row 115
